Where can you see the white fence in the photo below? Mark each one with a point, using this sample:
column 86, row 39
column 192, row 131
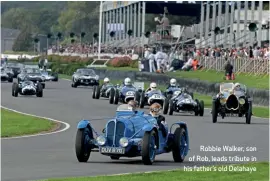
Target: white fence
column 240, row 65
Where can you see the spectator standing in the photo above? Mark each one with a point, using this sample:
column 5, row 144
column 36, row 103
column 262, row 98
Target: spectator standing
column 152, row 67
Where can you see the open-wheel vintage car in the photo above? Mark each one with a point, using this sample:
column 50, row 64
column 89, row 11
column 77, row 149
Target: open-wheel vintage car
column 232, row 100
column 102, row 91
column 150, row 97
column 183, row 102
column 131, row 134
column 124, row 94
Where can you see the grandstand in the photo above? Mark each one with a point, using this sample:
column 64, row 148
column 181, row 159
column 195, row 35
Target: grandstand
column 119, row 17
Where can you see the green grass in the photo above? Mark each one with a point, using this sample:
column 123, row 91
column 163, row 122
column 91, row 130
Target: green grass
column 15, row 124
column 260, row 174
column 257, row 111
column 260, row 82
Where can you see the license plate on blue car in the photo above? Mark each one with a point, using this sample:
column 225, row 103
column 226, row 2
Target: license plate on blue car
column 112, row 150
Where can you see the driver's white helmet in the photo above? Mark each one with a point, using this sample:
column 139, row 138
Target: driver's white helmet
column 173, row 82
column 236, row 85
column 127, row 81
column 153, row 86
column 106, row 80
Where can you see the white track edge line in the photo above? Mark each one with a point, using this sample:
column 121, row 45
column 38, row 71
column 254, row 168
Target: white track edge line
column 204, row 108
column 67, row 126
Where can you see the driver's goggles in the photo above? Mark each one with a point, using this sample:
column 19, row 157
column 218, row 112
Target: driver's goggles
column 155, row 109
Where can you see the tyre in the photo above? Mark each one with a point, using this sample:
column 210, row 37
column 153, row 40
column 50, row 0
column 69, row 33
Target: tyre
column 115, row 157
column 171, row 107
column 196, row 111
column 149, row 148
column 214, row 112
column 201, row 112
column 15, row 89
column 111, row 96
column 39, row 90
column 116, row 97
column 82, row 148
column 94, row 92
column 249, row 113
column 97, row 93
column 43, row 85
column 74, row 84
column 166, row 106
column 180, row 145
column 137, row 97
column 141, row 103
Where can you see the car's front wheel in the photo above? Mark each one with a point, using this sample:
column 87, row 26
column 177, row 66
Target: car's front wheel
column 149, row 148
column 180, row 144
column 82, row 147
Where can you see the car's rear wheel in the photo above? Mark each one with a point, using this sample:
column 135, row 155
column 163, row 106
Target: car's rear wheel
column 249, row 113
column 97, row 93
column 39, row 90
column 149, row 148
column 166, row 106
column 82, row 146
column 180, row 146
column 116, row 97
column 111, row 96
column 197, row 108
column 15, row 89
column 214, row 112
column 94, row 92
column 201, row 112
column 171, row 107
column 142, row 100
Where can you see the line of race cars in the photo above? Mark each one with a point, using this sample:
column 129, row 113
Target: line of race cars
column 132, row 133
column 30, row 79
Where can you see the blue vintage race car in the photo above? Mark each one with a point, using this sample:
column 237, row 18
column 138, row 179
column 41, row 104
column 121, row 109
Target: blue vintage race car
column 124, row 94
column 151, row 97
column 132, row 134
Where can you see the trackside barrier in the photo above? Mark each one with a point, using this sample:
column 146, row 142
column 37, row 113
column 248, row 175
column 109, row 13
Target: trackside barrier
column 98, row 65
column 255, row 66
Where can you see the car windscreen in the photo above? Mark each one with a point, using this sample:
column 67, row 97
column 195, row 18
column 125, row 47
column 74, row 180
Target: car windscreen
column 154, row 92
column 32, row 71
column 86, row 72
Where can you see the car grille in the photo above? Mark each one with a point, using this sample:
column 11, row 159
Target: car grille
column 113, row 136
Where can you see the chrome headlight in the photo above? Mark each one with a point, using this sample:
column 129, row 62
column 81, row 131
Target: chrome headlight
column 101, row 140
column 222, row 101
column 242, row 101
column 123, row 142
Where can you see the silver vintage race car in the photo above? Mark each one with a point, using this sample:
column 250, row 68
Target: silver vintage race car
column 84, row 77
column 6, row 75
column 49, row 75
column 32, row 74
column 27, row 87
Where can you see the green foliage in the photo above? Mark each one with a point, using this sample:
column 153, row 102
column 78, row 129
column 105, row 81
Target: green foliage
column 73, row 16
column 23, row 42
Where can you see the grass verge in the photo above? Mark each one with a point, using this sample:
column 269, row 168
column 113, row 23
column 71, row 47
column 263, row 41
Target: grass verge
column 260, row 173
column 257, row 110
column 260, row 82
column 15, row 124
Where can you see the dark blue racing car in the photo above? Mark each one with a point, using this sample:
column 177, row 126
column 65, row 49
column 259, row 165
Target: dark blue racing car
column 131, row 134
column 124, row 94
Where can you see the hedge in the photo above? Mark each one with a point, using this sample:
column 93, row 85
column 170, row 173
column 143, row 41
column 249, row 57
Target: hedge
column 69, row 64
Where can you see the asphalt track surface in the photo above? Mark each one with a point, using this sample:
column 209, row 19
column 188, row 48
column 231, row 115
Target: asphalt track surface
column 53, row 155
